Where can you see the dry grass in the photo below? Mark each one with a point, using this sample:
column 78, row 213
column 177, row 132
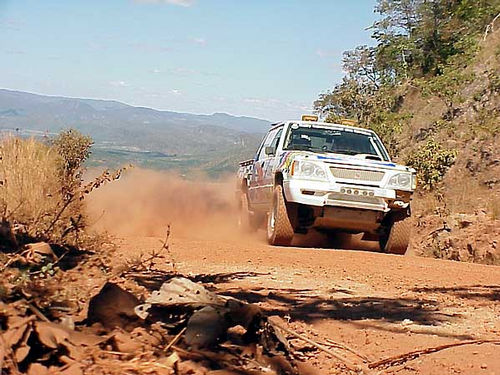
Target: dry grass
column 31, row 191
column 426, row 204
column 494, row 207
column 466, row 196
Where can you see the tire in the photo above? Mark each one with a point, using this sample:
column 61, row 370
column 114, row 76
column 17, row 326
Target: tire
column 398, row 237
column 246, row 220
column 279, row 229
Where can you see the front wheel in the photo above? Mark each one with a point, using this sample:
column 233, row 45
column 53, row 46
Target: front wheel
column 279, row 229
column 397, row 238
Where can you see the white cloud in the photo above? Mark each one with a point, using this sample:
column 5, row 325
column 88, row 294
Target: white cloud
column 119, row 84
column 182, row 3
column 149, row 47
column 11, row 23
column 175, row 92
column 14, row 51
column 274, row 104
column 199, row 41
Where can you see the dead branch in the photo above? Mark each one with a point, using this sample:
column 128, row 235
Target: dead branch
column 175, row 339
column 166, row 247
column 59, row 214
column 391, row 361
column 348, row 363
column 35, row 311
column 105, row 177
column 347, row 348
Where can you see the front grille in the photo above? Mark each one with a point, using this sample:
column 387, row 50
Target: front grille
column 353, row 198
column 356, row 174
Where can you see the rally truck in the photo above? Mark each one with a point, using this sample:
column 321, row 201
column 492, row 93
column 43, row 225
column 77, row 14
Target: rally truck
column 332, row 178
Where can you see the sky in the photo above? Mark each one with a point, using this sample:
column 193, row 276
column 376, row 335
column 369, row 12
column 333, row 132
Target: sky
column 263, row 58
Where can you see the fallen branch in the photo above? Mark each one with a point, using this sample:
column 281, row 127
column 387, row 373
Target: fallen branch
column 347, row 348
column 349, row 364
column 175, row 339
column 391, row 361
column 35, row 311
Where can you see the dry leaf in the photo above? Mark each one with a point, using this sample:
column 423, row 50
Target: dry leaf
column 180, row 291
column 171, row 360
column 16, row 329
column 73, row 369
column 22, row 352
column 205, row 327
column 51, row 334
column 112, row 307
column 37, row 369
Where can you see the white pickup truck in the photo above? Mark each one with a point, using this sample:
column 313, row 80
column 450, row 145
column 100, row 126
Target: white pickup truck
column 333, row 178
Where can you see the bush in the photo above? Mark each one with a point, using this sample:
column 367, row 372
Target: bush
column 74, row 148
column 39, row 186
column 431, row 162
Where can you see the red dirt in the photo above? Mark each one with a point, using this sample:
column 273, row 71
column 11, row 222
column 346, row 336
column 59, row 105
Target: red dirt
column 380, row 305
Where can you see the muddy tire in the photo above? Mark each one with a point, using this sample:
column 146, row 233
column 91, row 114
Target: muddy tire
column 246, row 220
column 398, row 237
column 279, row 229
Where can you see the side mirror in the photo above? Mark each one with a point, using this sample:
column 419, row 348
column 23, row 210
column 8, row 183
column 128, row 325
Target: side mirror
column 269, row 150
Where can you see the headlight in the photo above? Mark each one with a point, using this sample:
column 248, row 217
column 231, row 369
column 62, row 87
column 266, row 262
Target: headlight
column 306, row 169
column 403, row 181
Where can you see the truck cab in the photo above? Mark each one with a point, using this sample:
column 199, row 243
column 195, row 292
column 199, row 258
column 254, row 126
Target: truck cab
column 329, row 177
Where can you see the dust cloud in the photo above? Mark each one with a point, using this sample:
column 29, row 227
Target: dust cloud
column 145, row 202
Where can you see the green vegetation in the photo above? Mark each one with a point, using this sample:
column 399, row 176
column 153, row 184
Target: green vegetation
column 431, row 161
column 424, row 49
column 74, row 149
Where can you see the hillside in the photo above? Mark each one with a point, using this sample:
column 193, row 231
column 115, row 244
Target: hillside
column 145, row 136
column 431, row 88
column 460, row 218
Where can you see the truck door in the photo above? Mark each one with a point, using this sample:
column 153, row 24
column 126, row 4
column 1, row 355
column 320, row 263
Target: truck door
column 267, row 194
column 258, row 181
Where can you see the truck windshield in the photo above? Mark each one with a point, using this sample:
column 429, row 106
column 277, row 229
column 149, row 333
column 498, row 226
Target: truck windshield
column 338, row 141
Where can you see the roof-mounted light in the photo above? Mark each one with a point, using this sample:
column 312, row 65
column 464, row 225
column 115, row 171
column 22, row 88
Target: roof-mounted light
column 313, row 118
column 348, row 122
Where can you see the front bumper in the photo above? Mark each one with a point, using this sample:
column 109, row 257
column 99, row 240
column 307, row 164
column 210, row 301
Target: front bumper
column 322, row 193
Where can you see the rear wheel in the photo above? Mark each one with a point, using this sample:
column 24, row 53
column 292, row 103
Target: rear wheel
column 246, row 220
column 397, row 237
column 279, row 228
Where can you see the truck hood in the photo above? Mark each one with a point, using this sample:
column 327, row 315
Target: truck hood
column 347, row 160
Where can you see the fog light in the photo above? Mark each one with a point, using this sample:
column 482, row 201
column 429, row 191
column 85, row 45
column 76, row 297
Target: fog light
column 342, row 191
column 349, row 191
column 356, row 192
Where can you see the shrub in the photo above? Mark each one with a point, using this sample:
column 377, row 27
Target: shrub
column 74, row 148
column 39, row 186
column 431, row 162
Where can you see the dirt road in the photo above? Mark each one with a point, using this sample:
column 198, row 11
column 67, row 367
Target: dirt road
column 380, row 305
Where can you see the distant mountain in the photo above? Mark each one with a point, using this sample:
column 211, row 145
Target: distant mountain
column 118, row 126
